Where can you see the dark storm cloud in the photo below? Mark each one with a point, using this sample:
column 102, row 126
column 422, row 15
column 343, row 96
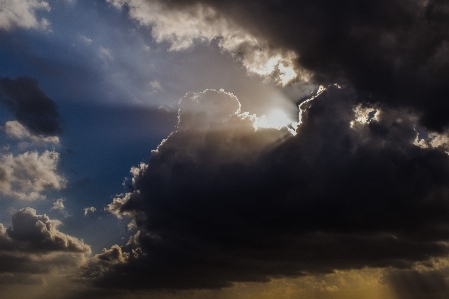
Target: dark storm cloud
column 221, row 203
column 395, row 51
column 32, row 108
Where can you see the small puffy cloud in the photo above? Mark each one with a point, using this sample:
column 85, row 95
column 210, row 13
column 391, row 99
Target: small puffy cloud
column 26, row 175
column 364, row 115
column 89, row 210
column 58, row 205
column 31, row 107
column 22, row 14
column 115, row 255
column 15, row 129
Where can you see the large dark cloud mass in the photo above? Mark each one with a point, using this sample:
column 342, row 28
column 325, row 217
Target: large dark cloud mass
column 32, row 108
column 393, row 51
column 220, row 202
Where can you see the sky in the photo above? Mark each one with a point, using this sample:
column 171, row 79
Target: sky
column 198, row 149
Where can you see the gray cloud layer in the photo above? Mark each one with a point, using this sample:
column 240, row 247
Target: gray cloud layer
column 220, row 202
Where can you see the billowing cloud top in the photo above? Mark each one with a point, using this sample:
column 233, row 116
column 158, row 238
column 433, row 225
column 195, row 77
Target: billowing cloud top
column 33, row 245
column 37, row 233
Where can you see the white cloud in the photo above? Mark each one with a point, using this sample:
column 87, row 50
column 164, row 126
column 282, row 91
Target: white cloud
column 16, row 130
column 26, row 175
column 59, row 206
column 90, row 209
column 181, row 27
column 364, row 115
column 22, row 14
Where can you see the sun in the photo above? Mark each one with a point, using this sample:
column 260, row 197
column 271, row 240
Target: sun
column 275, row 119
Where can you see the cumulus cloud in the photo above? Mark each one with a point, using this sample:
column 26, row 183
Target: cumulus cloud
column 26, row 175
column 58, row 205
column 31, row 232
column 16, row 130
column 22, row 14
column 220, row 202
column 32, row 108
column 34, row 245
column 182, row 27
column 89, row 210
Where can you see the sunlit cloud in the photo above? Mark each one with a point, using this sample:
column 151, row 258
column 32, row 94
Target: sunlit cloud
column 89, row 210
column 182, row 27
column 22, row 14
column 58, row 205
column 276, row 119
column 26, row 176
column 16, row 130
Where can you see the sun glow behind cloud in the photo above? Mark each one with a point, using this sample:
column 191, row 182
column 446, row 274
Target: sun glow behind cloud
column 278, row 119
column 275, row 119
